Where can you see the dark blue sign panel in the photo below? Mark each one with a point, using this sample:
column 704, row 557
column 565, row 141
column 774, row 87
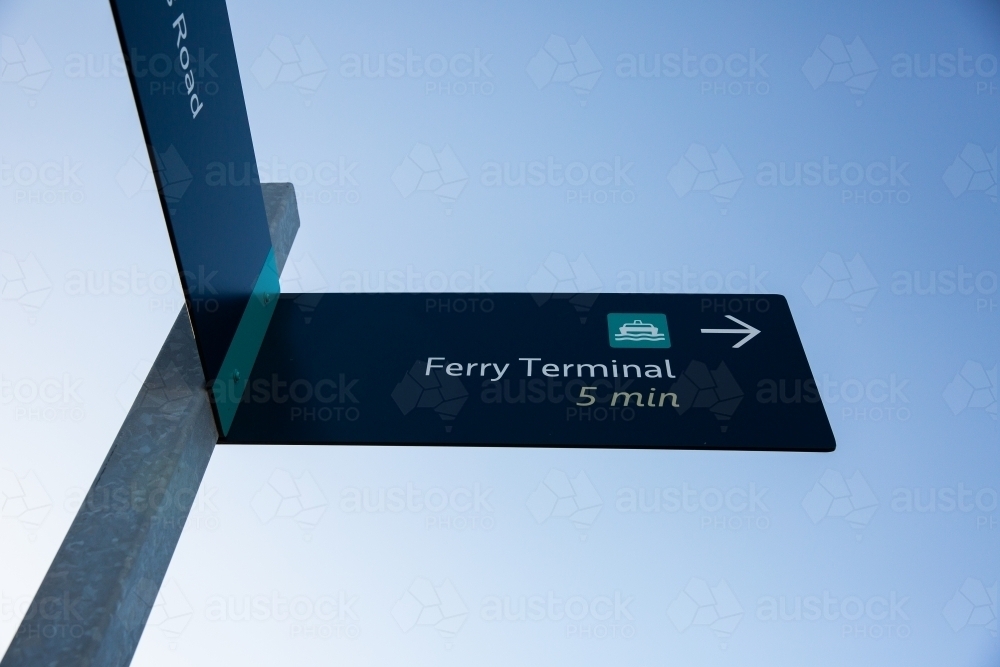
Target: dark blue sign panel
column 586, row 370
column 186, row 82
column 626, row 371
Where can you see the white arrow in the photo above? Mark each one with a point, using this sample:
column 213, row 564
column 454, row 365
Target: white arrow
column 747, row 329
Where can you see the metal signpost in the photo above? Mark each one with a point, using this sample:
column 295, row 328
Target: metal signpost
column 664, row 371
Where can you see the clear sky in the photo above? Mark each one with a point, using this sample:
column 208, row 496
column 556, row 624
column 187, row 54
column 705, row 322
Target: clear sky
column 841, row 154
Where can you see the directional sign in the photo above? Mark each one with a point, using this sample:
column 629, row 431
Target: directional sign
column 587, row 370
column 630, row 371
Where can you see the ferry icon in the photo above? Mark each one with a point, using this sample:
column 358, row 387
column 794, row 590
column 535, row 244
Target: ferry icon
column 638, row 330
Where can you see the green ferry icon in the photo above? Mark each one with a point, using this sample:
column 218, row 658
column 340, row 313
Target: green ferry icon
column 638, row 330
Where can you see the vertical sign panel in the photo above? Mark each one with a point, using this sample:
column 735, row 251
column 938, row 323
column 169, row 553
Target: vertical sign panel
column 186, row 82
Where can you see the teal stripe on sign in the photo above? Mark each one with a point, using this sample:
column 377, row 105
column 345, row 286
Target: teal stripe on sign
column 229, row 386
